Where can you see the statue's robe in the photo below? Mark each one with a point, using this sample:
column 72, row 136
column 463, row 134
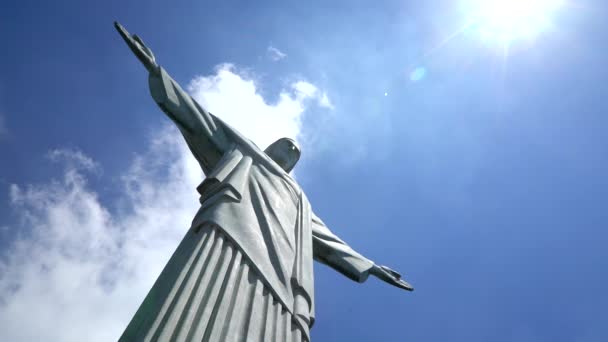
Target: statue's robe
column 244, row 270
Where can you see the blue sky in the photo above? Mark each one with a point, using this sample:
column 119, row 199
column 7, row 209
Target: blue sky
column 482, row 180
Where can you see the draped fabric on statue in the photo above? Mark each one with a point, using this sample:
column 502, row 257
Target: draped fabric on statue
column 265, row 212
column 210, row 291
column 262, row 246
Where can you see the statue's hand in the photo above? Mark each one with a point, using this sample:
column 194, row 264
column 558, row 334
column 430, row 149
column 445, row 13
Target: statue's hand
column 386, row 274
column 143, row 53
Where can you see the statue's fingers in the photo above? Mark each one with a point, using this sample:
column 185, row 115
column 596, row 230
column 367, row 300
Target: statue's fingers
column 393, row 272
column 143, row 46
column 122, row 31
column 384, row 276
column 139, row 40
column 132, row 40
column 136, row 46
column 405, row 285
column 118, row 26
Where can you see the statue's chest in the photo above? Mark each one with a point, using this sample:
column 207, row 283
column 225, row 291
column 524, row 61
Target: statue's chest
column 278, row 197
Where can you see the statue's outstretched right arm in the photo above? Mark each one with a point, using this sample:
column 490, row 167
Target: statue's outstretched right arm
column 332, row 251
column 203, row 133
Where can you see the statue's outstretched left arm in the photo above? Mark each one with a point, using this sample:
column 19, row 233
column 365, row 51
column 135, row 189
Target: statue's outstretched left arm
column 202, row 131
column 335, row 253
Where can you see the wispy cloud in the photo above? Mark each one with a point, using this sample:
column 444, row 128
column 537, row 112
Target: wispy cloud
column 74, row 159
column 275, row 54
column 305, row 90
column 325, row 102
column 78, row 270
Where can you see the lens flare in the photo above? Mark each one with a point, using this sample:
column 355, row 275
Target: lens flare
column 417, row 74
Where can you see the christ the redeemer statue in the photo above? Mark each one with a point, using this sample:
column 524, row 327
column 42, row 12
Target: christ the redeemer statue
column 244, row 270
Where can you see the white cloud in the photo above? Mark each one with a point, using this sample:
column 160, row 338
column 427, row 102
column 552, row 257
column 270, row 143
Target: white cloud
column 77, row 271
column 237, row 102
column 305, row 90
column 275, row 54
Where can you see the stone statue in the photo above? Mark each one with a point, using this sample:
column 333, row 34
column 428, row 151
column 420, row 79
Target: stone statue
column 244, row 270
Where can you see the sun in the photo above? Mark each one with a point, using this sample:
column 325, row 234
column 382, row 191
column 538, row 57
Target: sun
column 509, row 20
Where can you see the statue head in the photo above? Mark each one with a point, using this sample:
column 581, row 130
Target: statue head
column 284, row 152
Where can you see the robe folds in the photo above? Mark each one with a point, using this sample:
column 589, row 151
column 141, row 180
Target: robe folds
column 256, row 206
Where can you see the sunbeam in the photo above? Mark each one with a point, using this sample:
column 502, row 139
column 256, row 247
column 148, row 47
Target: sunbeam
column 509, row 20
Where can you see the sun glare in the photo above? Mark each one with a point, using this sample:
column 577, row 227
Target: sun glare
column 508, row 20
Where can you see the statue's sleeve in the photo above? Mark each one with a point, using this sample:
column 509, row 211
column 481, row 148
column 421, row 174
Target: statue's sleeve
column 330, row 250
column 201, row 130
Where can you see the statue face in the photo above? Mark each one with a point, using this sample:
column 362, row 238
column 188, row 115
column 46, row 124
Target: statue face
column 284, row 152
